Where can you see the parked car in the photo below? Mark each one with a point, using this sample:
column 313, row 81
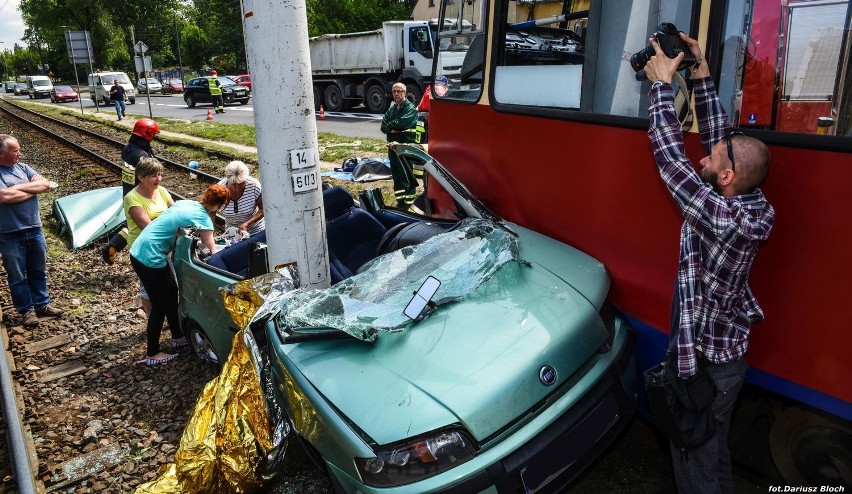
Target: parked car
column 198, row 91
column 172, row 86
column 20, row 89
column 517, row 383
column 149, row 84
column 244, row 80
column 61, row 94
column 9, row 86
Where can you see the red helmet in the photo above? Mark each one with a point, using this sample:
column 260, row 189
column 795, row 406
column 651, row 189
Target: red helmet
column 213, row 72
column 146, row 128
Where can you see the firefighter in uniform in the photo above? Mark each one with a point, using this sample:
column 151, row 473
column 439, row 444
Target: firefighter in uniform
column 216, row 92
column 139, row 146
column 399, row 124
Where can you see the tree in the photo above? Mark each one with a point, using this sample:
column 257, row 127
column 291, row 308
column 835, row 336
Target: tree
column 194, row 47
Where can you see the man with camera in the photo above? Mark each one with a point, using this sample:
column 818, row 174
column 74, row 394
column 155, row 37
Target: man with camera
column 726, row 219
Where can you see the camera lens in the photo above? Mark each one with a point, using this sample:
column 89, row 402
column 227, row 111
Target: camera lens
column 640, row 58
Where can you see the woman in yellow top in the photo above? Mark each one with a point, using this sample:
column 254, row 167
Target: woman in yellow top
column 144, row 203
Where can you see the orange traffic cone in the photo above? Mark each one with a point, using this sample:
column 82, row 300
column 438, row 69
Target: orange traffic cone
column 322, row 113
column 209, row 114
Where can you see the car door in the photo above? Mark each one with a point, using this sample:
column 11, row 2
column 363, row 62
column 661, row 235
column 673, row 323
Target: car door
column 200, row 89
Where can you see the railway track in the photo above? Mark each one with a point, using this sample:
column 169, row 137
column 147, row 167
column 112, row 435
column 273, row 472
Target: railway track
column 103, row 153
column 92, row 421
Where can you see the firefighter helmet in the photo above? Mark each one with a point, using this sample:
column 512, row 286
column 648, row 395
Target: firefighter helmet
column 146, row 128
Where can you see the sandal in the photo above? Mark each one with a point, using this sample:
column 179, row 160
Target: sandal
column 150, row 361
column 179, row 343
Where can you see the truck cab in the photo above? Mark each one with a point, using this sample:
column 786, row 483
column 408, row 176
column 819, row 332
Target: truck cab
column 349, row 69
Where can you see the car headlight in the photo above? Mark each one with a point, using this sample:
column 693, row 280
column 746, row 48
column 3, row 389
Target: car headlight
column 415, row 460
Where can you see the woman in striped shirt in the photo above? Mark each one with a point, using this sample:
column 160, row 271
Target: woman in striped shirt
column 245, row 209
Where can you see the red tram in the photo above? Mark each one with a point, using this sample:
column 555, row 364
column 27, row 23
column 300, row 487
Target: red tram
column 545, row 121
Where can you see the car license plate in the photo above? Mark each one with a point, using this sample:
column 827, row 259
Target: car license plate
column 568, row 448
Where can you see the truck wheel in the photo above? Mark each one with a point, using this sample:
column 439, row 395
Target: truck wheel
column 414, row 93
column 376, row 99
column 333, row 98
column 318, row 97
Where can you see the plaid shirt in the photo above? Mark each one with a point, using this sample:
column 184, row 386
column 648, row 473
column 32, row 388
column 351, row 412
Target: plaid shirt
column 718, row 240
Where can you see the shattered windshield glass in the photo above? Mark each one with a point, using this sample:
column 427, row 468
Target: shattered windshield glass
column 374, row 299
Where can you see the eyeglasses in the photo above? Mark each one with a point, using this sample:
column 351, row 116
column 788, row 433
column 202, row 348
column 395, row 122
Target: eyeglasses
column 728, row 137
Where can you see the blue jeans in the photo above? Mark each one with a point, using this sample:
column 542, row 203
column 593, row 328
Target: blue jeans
column 707, row 468
column 25, row 259
column 119, row 107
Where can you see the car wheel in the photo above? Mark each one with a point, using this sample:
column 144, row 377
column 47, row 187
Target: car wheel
column 201, row 344
column 189, row 100
column 376, row 99
column 333, row 98
column 132, row 101
column 244, row 102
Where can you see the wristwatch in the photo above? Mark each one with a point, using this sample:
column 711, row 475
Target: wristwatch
column 657, row 84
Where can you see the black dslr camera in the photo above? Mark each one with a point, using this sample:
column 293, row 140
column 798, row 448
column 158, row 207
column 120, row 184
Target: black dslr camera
column 671, row 44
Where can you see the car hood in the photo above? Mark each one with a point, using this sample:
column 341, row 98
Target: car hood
column 474, row 362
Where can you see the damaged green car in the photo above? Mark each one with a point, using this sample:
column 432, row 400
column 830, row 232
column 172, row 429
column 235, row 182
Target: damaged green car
column 454, row 351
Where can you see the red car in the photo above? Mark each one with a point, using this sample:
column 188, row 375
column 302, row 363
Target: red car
column 244, row 80
column 61, row 94
column 172, row 86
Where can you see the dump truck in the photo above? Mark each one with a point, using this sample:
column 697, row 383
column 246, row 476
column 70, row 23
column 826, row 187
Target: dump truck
column 350, row 69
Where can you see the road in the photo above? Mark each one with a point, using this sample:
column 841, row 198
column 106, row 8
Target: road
column 352, row 124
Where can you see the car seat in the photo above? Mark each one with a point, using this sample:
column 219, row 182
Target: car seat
column 235, row 259
column 353, row 234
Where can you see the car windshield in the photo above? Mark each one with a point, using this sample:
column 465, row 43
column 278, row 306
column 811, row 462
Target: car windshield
column 374, row 300
column 151, row 80
column 226, row 81
column 41, row 82
column 64, row 88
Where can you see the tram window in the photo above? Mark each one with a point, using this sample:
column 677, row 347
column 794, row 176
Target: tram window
column 575, row 54
column 461, row 51
column 785, row 66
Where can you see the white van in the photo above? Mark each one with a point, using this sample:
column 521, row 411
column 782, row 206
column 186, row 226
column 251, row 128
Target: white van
column 39, row 86
column 100, row 83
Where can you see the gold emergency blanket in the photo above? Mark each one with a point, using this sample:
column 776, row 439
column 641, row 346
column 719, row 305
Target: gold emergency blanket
column 229, row 432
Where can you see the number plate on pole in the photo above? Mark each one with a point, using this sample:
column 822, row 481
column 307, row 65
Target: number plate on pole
column 301, row 158
column 304, row 182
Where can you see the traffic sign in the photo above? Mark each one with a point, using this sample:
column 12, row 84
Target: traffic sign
column 141, row 47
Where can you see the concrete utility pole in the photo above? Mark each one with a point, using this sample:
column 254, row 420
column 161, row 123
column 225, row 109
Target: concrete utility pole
column 277, row 50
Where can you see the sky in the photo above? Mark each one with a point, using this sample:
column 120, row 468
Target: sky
column 11, row 24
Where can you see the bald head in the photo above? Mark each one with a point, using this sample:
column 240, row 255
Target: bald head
column 752, row 163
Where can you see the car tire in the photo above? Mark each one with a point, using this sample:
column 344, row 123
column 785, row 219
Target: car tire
column 333, row 98
column 376, row 99
column 132, row 101
column 244, row 102
column 200, row 343
column 189, row 100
